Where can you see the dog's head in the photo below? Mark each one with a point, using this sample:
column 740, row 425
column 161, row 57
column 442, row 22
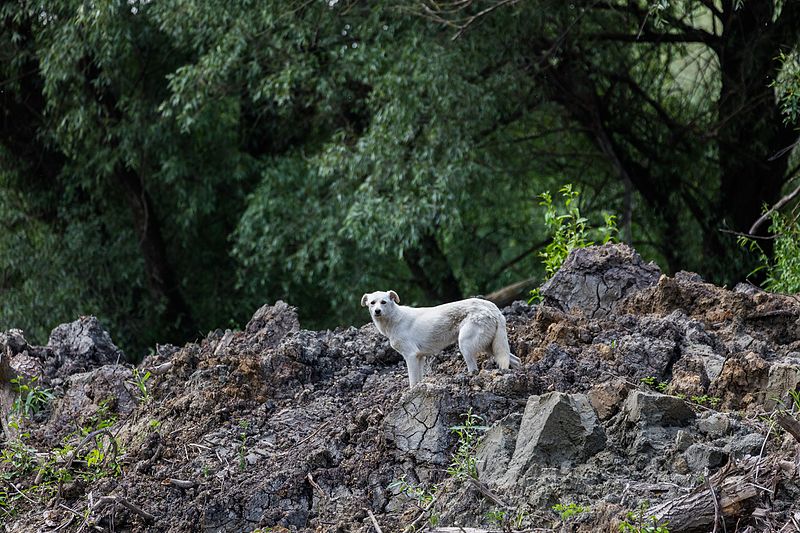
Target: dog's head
column 381, row 304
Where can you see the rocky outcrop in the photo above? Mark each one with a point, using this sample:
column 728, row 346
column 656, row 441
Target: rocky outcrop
column 592, row 280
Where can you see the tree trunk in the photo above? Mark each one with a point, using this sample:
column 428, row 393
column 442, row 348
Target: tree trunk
column 432, row 271
column 160, row 274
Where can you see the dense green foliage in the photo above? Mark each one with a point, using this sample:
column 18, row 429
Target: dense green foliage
column 170, row 166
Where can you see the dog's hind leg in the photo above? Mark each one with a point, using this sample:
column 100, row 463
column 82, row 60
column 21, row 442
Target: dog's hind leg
column 471, row 343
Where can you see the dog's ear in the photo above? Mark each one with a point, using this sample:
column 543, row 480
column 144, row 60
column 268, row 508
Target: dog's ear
column 364, row 300
column 393, row 296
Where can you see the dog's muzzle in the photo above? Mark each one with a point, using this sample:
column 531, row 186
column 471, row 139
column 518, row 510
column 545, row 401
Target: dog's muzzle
column 377, row 312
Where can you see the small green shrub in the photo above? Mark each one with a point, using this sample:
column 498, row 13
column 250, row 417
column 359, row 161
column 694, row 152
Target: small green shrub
column 655, row 384
column 19, row 457
column 713, row 401
column 100, row 419
column 30, row 397
column 569, row 230
column 505, row 519
column 464, row 464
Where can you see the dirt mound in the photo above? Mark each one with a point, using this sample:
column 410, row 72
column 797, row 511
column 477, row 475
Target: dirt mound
column 646, row 396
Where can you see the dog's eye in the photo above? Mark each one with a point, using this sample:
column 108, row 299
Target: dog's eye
column 383, row 301
column 372, row 302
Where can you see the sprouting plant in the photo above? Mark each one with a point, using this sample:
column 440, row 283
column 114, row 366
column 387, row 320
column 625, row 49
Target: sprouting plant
column 421, row 494
column 140, row 381
column 569, row 230
column 568, row 510
column 649, row 381
column 464, row 464
column 795, row 396
column 713, row 401
column 505, row 519
column 101, row 460
column 638, row 522
column 655, row 384
column 497, row 517
column 153, row 424
column 30, row 397
column 100, row 419
column 19, row 456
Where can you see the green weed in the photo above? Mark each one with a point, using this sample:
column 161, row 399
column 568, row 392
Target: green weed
column 568, row 510
column 140, row 381
column 464, row 464
column 30, row 397
column 638, row 522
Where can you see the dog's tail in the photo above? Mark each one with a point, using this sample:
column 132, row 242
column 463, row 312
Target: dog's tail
column 500, row 349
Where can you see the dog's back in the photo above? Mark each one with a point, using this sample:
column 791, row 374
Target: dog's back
column 435, row 328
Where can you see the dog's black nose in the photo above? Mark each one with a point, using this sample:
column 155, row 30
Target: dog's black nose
column 377, row 312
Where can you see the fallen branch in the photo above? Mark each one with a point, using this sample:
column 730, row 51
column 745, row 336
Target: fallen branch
column 735, row 496
column 789, row 424
column 483, row 489
column 314, row 484
column 716, row 505
column 105, row 500
column 180, row 483
column 306, row 439
column 374, row 521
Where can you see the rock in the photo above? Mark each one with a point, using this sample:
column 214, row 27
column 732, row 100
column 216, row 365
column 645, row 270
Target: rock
column 419, row 426
column 271, row 323
column 714, row 425
column 683, row 439
column 90, row 394
column 556, row 429
column 652, row 408
column 782, row 377
column 496, row 448
column 593, row 279
column 607, row 397
column 742, row 380
column 78, row 347
column 749, row 444
column 652, row 347
column 701, row 456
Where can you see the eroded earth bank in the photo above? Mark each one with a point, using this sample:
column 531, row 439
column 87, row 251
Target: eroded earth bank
column 643, row 401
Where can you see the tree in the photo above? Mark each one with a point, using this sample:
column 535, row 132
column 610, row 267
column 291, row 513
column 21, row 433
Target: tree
column 676, row 96
column 172, row 166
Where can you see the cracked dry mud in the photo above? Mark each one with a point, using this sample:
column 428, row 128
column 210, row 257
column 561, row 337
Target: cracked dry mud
column 295, row 430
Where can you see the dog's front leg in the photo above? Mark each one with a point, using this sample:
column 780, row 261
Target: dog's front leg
column 414, row 363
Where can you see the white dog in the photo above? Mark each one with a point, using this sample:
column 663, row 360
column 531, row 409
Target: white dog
column 477, row 325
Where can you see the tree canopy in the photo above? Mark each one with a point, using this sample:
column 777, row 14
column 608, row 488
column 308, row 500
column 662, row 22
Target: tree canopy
column 170, row 166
